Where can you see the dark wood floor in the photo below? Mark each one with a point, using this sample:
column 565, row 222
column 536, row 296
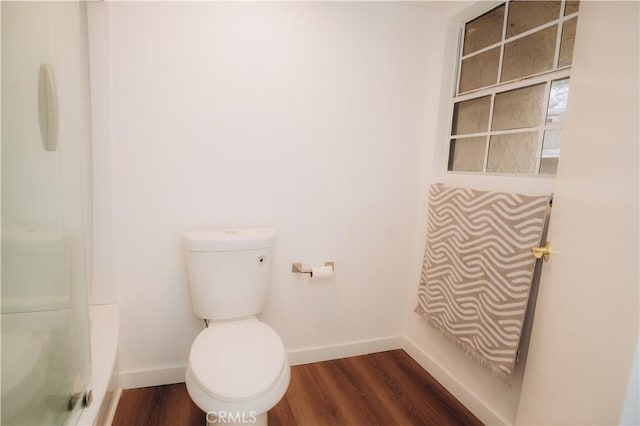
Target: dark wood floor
column 387, row 388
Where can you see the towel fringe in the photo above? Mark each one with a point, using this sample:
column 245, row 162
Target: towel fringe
column 470, row 352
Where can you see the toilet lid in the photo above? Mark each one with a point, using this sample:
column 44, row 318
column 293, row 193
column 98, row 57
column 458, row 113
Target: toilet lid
column 237, row 360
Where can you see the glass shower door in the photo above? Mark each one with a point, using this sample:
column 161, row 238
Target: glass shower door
column 45, row 147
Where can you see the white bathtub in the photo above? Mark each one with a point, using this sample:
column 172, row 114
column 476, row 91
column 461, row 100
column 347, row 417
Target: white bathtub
column 104, row 327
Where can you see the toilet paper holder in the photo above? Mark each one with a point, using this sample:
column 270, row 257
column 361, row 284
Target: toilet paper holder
column 297, row 267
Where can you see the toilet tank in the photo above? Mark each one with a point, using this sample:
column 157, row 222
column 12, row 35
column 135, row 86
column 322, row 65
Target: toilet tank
column 229, row 270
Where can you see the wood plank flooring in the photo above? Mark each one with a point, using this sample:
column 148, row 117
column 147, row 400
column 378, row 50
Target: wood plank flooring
column 386, row 388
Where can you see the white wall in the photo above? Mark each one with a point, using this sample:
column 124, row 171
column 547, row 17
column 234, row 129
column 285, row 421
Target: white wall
column 310, row 117
column 586, row 325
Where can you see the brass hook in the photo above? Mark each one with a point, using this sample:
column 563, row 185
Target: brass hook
column 542, row 252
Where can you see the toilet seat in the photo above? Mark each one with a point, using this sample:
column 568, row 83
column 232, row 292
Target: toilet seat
column 237, row 361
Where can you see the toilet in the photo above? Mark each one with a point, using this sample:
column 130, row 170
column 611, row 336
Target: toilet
column 238, row 369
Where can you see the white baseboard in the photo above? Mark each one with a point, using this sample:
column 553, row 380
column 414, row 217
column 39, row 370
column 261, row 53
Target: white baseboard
column 469, row 399
column 176, row 374
column 152, row 377
column 344, row 350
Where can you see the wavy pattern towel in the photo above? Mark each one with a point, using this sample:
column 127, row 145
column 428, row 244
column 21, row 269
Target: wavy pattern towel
column 478, row 269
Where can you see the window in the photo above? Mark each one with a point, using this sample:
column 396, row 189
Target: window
column 512, row 88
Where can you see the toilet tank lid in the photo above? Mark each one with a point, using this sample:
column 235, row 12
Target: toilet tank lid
column 229, row 239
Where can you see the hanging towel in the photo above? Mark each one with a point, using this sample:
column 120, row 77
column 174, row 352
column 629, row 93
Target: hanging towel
column 478, row 269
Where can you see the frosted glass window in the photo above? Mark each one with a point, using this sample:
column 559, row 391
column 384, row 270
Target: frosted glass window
column 480, row 70
column 513, row 153
column 558, row 98
column 529, row 55
column 517, row 109
column 550, row 152
column 566, row 44
column 467, row 155
column 512, row 88
column 525, row 15
column 571, row 7
column 483, row 31
column 551, row 144
column 549, row 166
column 471, row 116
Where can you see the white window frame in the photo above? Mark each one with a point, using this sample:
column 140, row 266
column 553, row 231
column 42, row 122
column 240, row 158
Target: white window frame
column 546, row 77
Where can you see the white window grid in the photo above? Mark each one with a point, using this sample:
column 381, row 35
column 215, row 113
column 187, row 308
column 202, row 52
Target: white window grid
column 546, row 77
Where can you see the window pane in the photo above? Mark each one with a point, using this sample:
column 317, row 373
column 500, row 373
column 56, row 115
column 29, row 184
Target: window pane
column 519, row 108
column 529, row 55
column 566, row 45
column 571, row 7
column 483, row 31
column 525, row 15
column 558, row 97
column 480, row 70
column 471, row 116
column 467, row 155
column 518, row 130
column 550, row 152
column 515, row 153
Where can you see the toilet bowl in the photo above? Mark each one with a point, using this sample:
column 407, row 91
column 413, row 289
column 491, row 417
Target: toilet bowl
column 238, row 368
column 237, row 371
